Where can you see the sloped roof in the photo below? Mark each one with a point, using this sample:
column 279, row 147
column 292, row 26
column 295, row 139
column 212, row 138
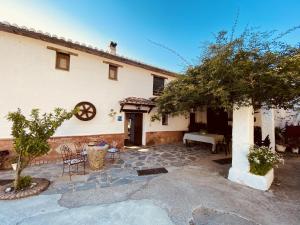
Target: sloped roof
column 47, row 37
column 137, row 101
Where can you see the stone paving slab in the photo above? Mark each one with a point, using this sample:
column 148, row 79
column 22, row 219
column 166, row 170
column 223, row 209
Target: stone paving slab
column 14, row 211
column 142, row 212
column 123, row 171
column 206, row 216
column 100, row 195
column 45, row 210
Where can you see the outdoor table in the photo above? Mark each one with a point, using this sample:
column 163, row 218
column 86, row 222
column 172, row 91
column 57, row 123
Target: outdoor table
column 113, row 153
column 96, row 155
column 204, row 137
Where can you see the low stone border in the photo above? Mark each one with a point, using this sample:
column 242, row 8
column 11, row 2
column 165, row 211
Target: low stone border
column 42, row 185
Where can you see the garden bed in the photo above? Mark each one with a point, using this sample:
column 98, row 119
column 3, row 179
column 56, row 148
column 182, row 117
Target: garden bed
column 41, row 185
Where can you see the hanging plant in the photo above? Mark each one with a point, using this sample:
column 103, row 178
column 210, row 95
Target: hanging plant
column 112, row 113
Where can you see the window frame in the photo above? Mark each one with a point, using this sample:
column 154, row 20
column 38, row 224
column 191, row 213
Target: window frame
column 155, row 92
column 110, row 66
column 60, row 55
column 165, row 119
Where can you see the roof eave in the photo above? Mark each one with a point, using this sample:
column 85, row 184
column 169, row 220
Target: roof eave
column 82, row 48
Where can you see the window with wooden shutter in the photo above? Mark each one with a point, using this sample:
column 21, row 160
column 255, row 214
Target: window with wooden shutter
column 158, row 85
column 113, row 72
column 62, row 61
column 164, row 119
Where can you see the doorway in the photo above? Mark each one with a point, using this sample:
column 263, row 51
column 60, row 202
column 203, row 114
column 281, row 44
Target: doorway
column 133, row 129
column 217, row 121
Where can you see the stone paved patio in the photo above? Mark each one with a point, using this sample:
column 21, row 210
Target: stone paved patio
column 121, row 171
column 193, row 182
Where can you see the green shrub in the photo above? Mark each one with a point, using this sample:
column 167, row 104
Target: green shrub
column 262, row 159
column 31, row 134
column 24, row 182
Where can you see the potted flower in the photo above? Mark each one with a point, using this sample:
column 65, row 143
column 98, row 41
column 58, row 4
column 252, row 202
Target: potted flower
column 262, row 160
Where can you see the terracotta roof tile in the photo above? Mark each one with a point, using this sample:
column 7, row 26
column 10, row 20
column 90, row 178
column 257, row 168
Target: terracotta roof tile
column 137, row 101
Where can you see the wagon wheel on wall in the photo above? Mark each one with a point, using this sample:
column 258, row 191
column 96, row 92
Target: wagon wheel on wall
column 86, row 111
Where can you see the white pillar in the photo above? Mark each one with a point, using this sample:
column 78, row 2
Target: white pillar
column 242, row 140
column 268, row 125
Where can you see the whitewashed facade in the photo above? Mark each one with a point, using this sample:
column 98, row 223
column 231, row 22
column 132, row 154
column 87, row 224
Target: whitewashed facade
column 29, row 79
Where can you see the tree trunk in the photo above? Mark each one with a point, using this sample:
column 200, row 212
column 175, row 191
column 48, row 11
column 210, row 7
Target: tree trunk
column 18, row 172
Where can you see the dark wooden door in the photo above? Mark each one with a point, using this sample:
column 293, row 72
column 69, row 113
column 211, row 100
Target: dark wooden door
column 135, row 128
column 138, row 129
column 192, row 126
column 217, row 121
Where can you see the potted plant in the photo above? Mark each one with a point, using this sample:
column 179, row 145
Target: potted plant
column 262, row 159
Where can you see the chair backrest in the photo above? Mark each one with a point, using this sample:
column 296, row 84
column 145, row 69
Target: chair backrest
column 66, row 152
column 80, row 147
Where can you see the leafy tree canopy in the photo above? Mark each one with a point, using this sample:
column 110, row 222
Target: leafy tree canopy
column 253, row 69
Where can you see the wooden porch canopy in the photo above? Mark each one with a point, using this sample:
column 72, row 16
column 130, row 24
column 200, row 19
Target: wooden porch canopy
column 134, row 104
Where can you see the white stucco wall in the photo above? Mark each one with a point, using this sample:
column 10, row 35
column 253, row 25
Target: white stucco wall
column 29, row 80
column 281, row 118
column 289, row 117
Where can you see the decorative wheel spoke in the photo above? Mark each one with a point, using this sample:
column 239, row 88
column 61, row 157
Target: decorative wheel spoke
column 86, row 111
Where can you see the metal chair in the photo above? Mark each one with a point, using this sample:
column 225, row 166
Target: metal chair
column 224, row 145
column 81, row 149
column 70, row 159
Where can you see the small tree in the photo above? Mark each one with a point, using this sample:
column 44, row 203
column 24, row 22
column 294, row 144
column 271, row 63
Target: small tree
column 31, row 135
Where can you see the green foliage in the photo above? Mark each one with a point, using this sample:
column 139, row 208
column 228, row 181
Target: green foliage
column 24, row 182
column 31, row 135
column 253, row 69
column 155, row 117
column 262, row 159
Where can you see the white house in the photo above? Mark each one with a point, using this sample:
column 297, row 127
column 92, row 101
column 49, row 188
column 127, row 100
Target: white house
column 115, row 95
column 42, row 71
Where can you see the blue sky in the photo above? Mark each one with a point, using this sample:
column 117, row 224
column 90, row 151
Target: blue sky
column 180, row 25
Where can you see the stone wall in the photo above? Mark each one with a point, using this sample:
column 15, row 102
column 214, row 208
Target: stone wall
column 163, row 137
column 55, row 142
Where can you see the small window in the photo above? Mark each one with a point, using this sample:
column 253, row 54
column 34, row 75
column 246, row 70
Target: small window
column 164, row 119
column 62, row 61
column 158, row 85
column 113, row 72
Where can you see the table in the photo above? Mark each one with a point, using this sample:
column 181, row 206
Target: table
column 113, row 152
column 201, row 137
